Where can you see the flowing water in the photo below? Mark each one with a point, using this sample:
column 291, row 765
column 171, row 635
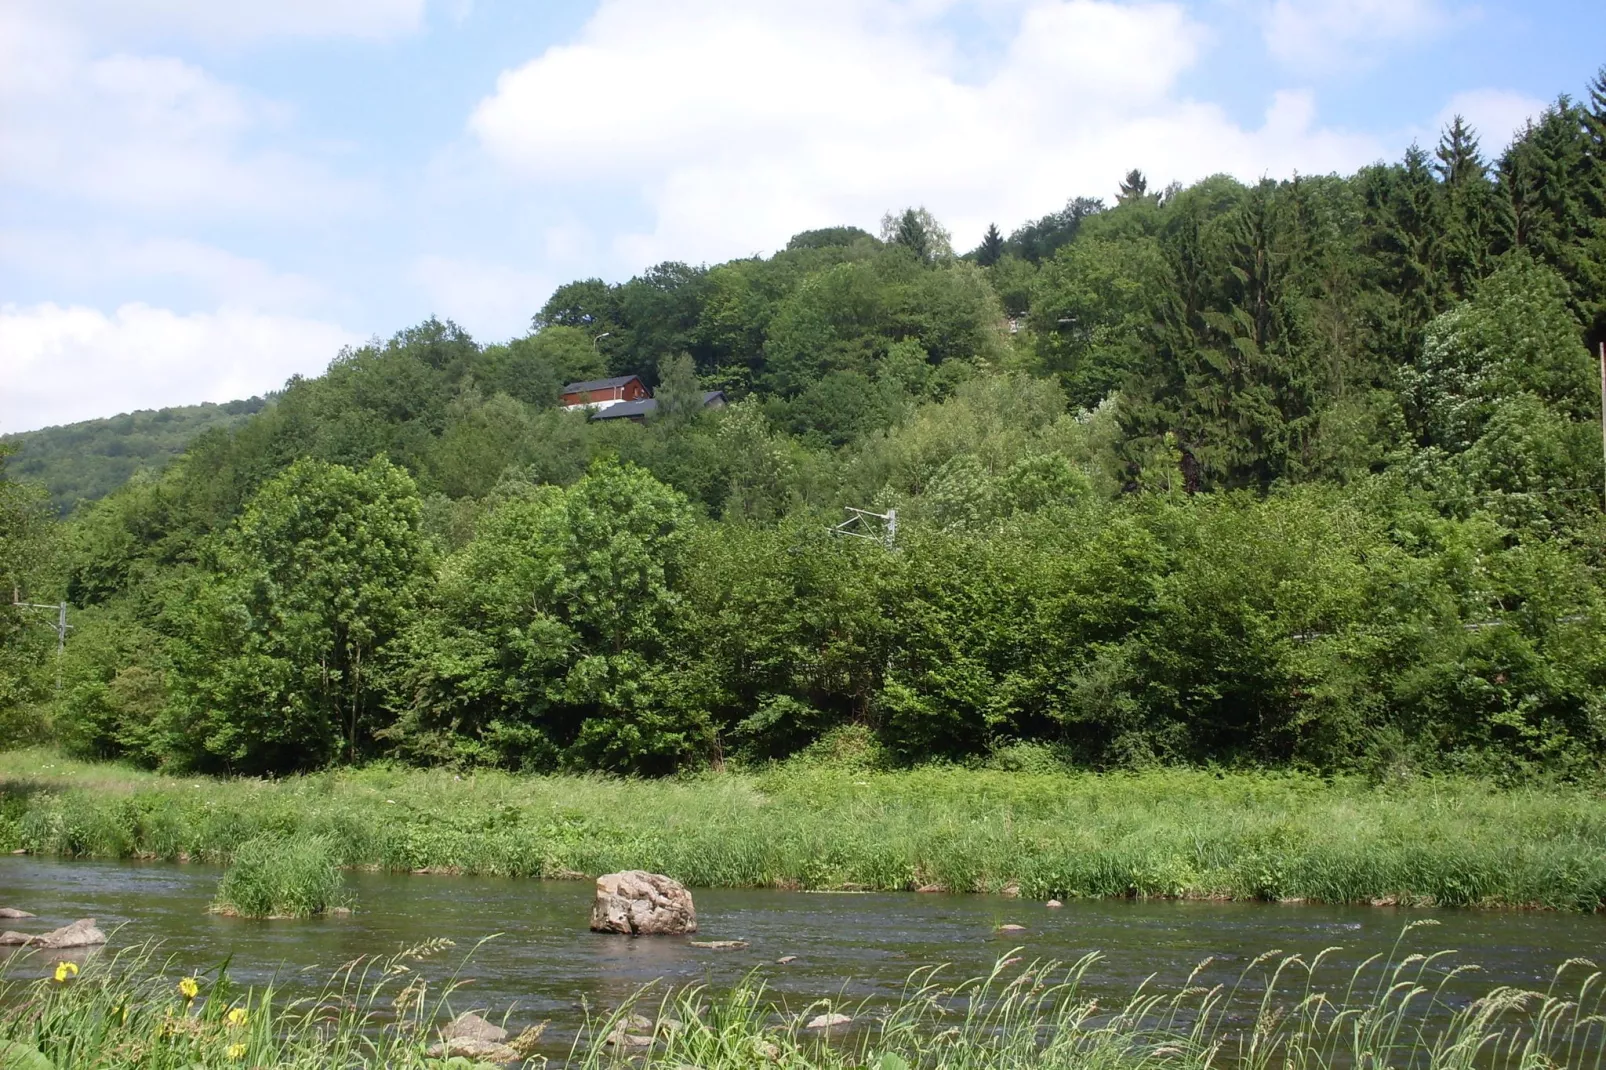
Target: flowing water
column 546, row 965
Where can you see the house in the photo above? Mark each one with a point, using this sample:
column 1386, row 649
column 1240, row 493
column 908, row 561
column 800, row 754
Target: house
column 641, row 409
column 603, row 393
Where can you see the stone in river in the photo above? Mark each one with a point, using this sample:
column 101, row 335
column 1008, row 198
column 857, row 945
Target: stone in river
column 81, row 933
column 13, row 912
column 621, row 1039
column 1012, row 928
column 642, row 904
column 479, row 1050
column 784, row 959
column 720, row 945
column 1054, row 903
column 472, row 1026
column 826, row 1021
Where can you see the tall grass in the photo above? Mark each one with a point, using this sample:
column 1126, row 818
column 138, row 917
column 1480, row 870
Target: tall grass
column 131, row 1010
column 281, row 877
column 1165, row 833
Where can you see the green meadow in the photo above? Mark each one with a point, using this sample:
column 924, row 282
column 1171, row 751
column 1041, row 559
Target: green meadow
column 831, row 824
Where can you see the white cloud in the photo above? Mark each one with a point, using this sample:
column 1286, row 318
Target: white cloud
column 144, row 357
column 491, row 300
column 77, row 261
column 739, row 124
column 220, row 20
column 1497, row 115
column 148, row 132
column 1330, row 35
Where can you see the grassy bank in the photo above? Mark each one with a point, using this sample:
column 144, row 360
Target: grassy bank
column 1165, row 833
column 131, row 1010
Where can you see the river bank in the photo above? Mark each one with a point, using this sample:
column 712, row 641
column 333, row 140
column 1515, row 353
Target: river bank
column 136, row 1009
column 1163, row 834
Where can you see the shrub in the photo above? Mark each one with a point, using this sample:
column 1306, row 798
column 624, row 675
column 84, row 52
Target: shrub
column 272, row 877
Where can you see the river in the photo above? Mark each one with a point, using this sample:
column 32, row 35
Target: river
column 546, row 965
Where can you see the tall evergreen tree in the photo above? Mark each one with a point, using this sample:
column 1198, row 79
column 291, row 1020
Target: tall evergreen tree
column 1133, row 186
column 1468, row 209
column 991, row 249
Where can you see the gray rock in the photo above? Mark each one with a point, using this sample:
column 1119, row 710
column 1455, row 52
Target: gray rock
column 1053, row 904
column 470, row 1026
column 620, row 1039
column 642, row 904
column 13, row 912
column 470, row 1048
column 826, row 1021
column 81, row 933
column 720, row 945
column 1012, row 928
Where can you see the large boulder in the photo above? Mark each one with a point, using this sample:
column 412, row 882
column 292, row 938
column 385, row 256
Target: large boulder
column 642, row 904
column 81, row 933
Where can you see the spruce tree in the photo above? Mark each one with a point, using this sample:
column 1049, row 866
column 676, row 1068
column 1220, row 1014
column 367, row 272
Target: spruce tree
column 992, row 247
column 1133, row 187
column 1468, row 207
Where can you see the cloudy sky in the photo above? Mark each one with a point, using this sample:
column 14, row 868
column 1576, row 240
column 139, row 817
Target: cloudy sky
column 200, row 198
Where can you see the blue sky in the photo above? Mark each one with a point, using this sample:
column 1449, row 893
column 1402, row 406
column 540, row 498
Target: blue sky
column 199, row 199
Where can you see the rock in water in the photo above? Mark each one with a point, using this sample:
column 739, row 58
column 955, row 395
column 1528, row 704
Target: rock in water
column 642, row 904
column 484, row 1051
column 13, row 912
column 471, row 1026
column 826, row 1021
column 81, row 933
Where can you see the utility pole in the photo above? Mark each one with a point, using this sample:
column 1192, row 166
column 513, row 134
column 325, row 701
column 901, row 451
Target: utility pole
column 59, row 627
column 860, row 525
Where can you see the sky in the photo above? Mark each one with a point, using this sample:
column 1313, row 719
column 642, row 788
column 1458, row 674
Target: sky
column 199, row 199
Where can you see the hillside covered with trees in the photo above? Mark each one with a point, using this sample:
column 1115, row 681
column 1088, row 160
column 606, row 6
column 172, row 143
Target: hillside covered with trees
column 1299, row 472
column 85, row 461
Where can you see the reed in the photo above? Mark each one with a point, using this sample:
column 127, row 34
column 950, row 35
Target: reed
column 1164, row 833
column 1289, row 1012
column 281, row 877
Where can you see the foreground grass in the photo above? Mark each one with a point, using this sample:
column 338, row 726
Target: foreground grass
column 1163, row 834
column 130, row 1010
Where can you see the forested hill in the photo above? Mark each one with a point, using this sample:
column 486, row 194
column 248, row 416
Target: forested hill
column 1306, row 471
column 85, row 461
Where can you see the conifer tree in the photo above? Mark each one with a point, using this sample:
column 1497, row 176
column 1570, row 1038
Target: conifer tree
column 1468, row 207
column 992, row 247
column 1133, row 186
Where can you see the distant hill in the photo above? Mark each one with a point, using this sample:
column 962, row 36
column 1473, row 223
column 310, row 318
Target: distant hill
column 88, row 460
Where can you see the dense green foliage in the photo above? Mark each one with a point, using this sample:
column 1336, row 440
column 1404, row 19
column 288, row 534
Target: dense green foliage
column 85, row 461
column 128, row 1011
column 827, row 821
column 280, row 877
column 1299, row 472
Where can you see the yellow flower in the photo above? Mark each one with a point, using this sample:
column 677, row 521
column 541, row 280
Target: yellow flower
column 188, row 988
column 236, row 1051
column 237, row 1016
column 65, row 970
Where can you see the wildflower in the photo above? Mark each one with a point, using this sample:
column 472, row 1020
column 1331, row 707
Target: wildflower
column 236, row 1051
column 237, row 1016
column 188, row 988
column 65, row 970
